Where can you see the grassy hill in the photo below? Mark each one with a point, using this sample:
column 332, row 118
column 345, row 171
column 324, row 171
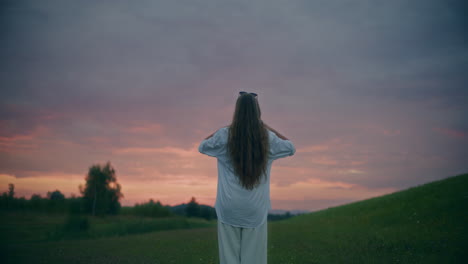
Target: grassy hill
column 424, row 224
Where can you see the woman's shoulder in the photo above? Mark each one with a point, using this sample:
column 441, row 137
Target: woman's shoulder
column 271, row 134
column 224, row 129
column 223, row 132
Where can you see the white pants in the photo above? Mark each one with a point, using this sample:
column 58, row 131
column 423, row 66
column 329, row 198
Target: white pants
column 238, row 245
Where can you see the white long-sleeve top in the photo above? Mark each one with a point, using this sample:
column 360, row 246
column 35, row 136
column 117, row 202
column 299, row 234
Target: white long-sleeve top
column 236, row 205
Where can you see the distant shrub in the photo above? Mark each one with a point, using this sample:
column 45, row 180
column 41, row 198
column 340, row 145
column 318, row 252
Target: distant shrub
column 149, row 209
column 193, row 208
column 277, row 217
column 207, row 212
column 55, row 196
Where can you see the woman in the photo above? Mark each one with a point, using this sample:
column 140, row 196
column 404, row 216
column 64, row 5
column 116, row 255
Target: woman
column 245, row 151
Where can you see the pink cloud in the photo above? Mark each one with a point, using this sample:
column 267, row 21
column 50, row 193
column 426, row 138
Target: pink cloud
column 146, row 128
column 313, row 148
column 23, row 141
column 164, row 150
column 451, row 132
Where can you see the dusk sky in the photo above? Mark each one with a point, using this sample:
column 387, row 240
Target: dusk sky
column 373, row 94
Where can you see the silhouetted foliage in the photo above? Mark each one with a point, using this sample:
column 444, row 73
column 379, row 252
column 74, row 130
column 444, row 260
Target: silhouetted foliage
column 35, row 200
column 149, row 209
column 193, row 208
column 207, row 212
column 7, row 198
column 10, row 202
column 102, row 193
column 54, row 202
column 178, row 209
column 276, row 217
column 55, row 196
column 11, row 190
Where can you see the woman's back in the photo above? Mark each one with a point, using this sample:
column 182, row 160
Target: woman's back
column 245, row 151
column 236, row 205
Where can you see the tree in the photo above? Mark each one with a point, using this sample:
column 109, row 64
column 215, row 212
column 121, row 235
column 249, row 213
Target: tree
column 36, row 201
column 102, row 193
column 150, row 209
column 56, row 196
column 193, row 208
column 7, row 199
column 35, row 197
column 11, row 190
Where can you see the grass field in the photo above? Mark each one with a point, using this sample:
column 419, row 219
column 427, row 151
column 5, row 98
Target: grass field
column 424, row 224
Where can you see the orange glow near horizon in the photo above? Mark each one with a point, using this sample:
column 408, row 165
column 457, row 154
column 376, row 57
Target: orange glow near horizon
column 317, row 176
column 203, row 189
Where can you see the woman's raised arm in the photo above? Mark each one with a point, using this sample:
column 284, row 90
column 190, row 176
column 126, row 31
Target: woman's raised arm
column 276, row 132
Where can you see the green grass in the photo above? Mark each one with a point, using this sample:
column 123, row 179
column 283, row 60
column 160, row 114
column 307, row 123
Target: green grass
column 424, row 224
column 24, row 226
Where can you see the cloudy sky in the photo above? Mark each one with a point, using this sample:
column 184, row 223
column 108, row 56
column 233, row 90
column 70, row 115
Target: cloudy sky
column 372, row 93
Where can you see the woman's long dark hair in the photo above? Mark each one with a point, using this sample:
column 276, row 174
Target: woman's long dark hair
column 248, row 144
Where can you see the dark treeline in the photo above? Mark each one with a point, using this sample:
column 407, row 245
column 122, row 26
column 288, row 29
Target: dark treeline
column 156, row 209
column 194, row 209
column 277, row 217
column 56, row 202
column 149, row 209
column 53, row 202
column 101, row 196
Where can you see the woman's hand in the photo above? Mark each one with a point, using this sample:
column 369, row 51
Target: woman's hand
column 209, row 136
column 276, row 132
